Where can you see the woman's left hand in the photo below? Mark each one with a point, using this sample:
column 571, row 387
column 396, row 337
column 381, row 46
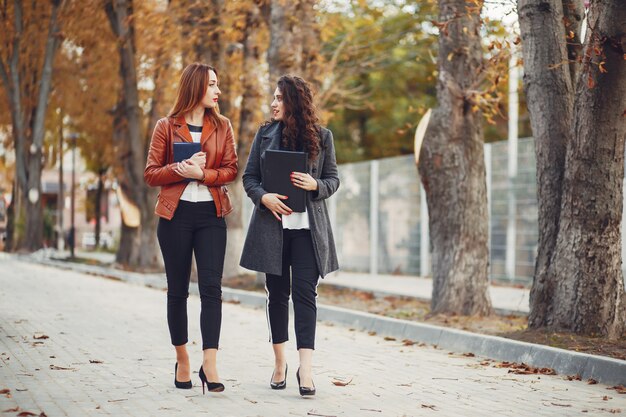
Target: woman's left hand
column 303, row 180
column 189, row 169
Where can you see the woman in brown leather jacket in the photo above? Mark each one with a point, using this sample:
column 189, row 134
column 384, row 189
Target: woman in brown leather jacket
column 191, row 205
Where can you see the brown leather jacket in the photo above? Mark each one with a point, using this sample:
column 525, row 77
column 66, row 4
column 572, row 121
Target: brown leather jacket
column 221, row 163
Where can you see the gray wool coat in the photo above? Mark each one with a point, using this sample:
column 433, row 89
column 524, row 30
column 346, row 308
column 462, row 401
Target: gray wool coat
column 263, row 247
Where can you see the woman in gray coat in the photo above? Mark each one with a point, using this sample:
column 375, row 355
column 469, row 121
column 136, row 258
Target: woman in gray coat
column 292, row 249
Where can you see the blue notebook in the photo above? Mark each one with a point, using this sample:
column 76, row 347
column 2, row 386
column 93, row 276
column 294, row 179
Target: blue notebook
column 185, row 150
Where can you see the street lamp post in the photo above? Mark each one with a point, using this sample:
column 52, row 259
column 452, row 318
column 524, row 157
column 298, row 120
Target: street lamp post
column 60, row 197
column 72, row 238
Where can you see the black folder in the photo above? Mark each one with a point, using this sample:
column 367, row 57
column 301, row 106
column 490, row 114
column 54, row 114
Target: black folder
column 277, row 176
column 185, row 150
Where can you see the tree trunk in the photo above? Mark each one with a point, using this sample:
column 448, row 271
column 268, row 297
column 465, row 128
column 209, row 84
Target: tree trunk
column 585, row 269
column 294, row 41
column 549, row 91
column 138, row 247
column 452, row 171
column 203, row 31
column 28, row 211
column 249, row 121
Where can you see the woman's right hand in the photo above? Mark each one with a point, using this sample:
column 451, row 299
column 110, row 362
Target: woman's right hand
column 199, row 158
column 273, row 202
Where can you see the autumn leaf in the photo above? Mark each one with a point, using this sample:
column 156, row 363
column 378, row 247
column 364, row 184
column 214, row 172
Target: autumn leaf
column 40, row 336
column 340, row 382
column 619, row 388
column 601, row 67
column 591, row 381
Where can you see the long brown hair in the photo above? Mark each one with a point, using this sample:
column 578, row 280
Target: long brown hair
column 300, row 120
column 192, row 87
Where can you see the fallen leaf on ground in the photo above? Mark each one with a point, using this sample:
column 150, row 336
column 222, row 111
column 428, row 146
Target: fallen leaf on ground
column 469, row 354
column 576, row 377
column 372, row 333
column 60, row 368
column 94, row 361
column 432, row 407
column 315, row 413
column 619, row 388
column 40, row 336
column 389, row 338
column 606, row 398
column 341, row 382
column 524, row 369
column 591, row 381
column 407, row 342
column 26, row 413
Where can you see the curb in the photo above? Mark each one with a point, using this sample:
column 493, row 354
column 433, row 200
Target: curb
column 604, row 370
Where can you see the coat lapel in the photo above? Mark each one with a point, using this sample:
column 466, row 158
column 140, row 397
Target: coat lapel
column 271, row 138
column 208, row 140
column 181, row 129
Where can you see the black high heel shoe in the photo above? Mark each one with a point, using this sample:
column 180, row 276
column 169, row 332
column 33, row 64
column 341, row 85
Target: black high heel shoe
column 212, row 386
column 282, row 384
column 304, row 390
column 179, row 384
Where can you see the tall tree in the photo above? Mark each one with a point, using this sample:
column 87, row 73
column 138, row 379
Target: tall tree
column 138, row 247
column 203, row 28
column 577, row 121
column 26, row 69
column 252, row 38
column 452, row 170
column 294, row 40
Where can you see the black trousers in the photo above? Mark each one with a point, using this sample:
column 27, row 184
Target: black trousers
column 298, row 253
column 195, row 228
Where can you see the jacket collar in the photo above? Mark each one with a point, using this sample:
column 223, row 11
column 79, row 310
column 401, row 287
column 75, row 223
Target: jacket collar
column 181, row 129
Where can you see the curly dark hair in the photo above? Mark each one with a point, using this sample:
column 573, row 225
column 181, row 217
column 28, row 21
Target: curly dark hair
column 300, row 120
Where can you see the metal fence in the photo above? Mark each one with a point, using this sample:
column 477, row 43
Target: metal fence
column 380, row 216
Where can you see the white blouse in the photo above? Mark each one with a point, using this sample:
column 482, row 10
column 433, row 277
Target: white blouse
column 296, row 221
column 194, row 191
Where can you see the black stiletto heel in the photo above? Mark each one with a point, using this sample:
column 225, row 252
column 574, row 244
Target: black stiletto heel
column 282, row 384
column 212, row 386
column 304, row 390
column 179, row 384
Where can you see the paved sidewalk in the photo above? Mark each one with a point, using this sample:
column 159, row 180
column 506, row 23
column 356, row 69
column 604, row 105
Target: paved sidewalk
column 108, row 353
column 504, row 298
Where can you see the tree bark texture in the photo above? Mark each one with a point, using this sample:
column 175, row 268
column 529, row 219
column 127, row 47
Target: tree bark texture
column 452, row 171
column 586, row 266
column 549, row 91
column 138, row 245
column 294, row 41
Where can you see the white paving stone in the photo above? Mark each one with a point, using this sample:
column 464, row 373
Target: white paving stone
column 124, row 326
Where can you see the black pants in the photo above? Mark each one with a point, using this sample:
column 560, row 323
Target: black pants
column 195, row 228
column 299, row 254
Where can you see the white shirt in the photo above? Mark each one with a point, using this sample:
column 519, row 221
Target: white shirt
column 296, row 221
column 195, row 191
